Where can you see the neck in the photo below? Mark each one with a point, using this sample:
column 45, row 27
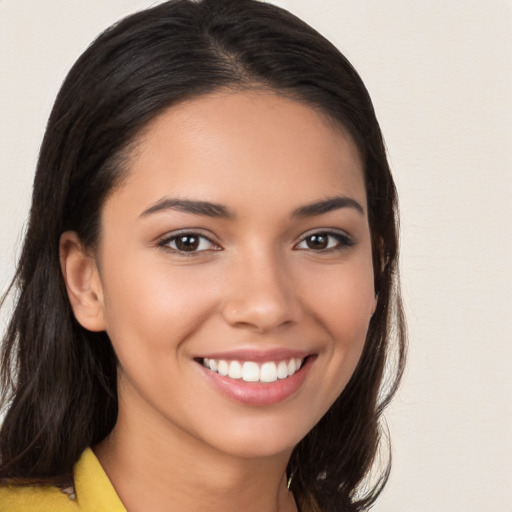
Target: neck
column 151, row 468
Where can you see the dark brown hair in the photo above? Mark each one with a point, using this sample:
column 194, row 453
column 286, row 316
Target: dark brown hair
column 59, row 380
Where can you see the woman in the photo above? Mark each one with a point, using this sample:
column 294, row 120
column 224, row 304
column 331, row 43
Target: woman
column 208, row 283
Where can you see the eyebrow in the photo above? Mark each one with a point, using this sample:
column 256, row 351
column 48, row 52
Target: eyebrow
column 188, row 206
column 215, row 210
column 328, row 205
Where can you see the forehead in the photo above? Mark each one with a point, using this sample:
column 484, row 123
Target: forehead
column 234, row 146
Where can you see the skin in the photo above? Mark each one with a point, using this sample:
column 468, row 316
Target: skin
column 258, row 284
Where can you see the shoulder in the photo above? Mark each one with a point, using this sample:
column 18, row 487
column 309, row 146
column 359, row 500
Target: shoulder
column 35, row 498
column 92, row 492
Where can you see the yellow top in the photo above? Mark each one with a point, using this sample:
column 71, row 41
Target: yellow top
column 93, row 492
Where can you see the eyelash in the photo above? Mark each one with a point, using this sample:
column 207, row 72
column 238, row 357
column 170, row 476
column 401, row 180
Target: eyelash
column 341, row 241
column 166, row 243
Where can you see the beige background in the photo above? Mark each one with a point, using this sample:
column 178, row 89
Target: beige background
column 440, row 74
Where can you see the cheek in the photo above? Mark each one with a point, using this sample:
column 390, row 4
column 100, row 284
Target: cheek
column 344, row 308
column 346, row 300
column 348, row 312
column 154, row 305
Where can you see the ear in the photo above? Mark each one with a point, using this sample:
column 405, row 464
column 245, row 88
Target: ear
column 83, row 282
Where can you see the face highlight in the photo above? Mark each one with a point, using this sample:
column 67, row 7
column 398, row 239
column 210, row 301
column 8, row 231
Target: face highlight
column 236, row 280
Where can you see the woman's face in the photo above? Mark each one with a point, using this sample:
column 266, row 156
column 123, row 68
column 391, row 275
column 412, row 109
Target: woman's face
column 236, row 249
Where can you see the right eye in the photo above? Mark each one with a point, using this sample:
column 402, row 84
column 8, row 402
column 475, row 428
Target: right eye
column 189, row 243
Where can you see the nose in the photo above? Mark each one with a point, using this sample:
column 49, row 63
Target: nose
column 261, row 295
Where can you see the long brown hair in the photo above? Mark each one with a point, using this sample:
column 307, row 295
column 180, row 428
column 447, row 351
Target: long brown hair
column 59, row 380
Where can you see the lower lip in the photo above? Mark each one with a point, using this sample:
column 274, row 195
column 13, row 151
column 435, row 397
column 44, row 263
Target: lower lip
column 259, row 393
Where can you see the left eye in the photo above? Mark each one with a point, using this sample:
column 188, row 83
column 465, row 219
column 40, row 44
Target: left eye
column 188, row 242
column 324, row 241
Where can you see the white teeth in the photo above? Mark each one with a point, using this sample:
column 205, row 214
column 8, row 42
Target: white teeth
column 282, row 370
column 268, row 372
column 250, row 371
column 235, row 370
column 223, row 368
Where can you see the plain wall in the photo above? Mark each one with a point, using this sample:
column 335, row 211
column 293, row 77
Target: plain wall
column 440, row 75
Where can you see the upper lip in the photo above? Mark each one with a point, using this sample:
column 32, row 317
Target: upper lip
column 278, row 354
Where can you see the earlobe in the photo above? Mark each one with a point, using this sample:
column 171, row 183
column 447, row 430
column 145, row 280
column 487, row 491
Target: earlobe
column 83, row 283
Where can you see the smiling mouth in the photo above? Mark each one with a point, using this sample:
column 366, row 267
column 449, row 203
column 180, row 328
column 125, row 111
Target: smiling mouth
column 250, row 371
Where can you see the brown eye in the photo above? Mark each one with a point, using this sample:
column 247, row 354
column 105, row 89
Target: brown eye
column 317, row 242
column 325, row 241
column 188, row 243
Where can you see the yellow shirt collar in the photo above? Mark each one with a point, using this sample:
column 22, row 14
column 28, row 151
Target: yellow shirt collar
column 93, row 488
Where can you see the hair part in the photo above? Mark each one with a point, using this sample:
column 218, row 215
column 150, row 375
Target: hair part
column 59, row 380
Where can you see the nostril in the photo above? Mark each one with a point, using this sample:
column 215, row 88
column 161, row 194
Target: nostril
column 261, row 314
